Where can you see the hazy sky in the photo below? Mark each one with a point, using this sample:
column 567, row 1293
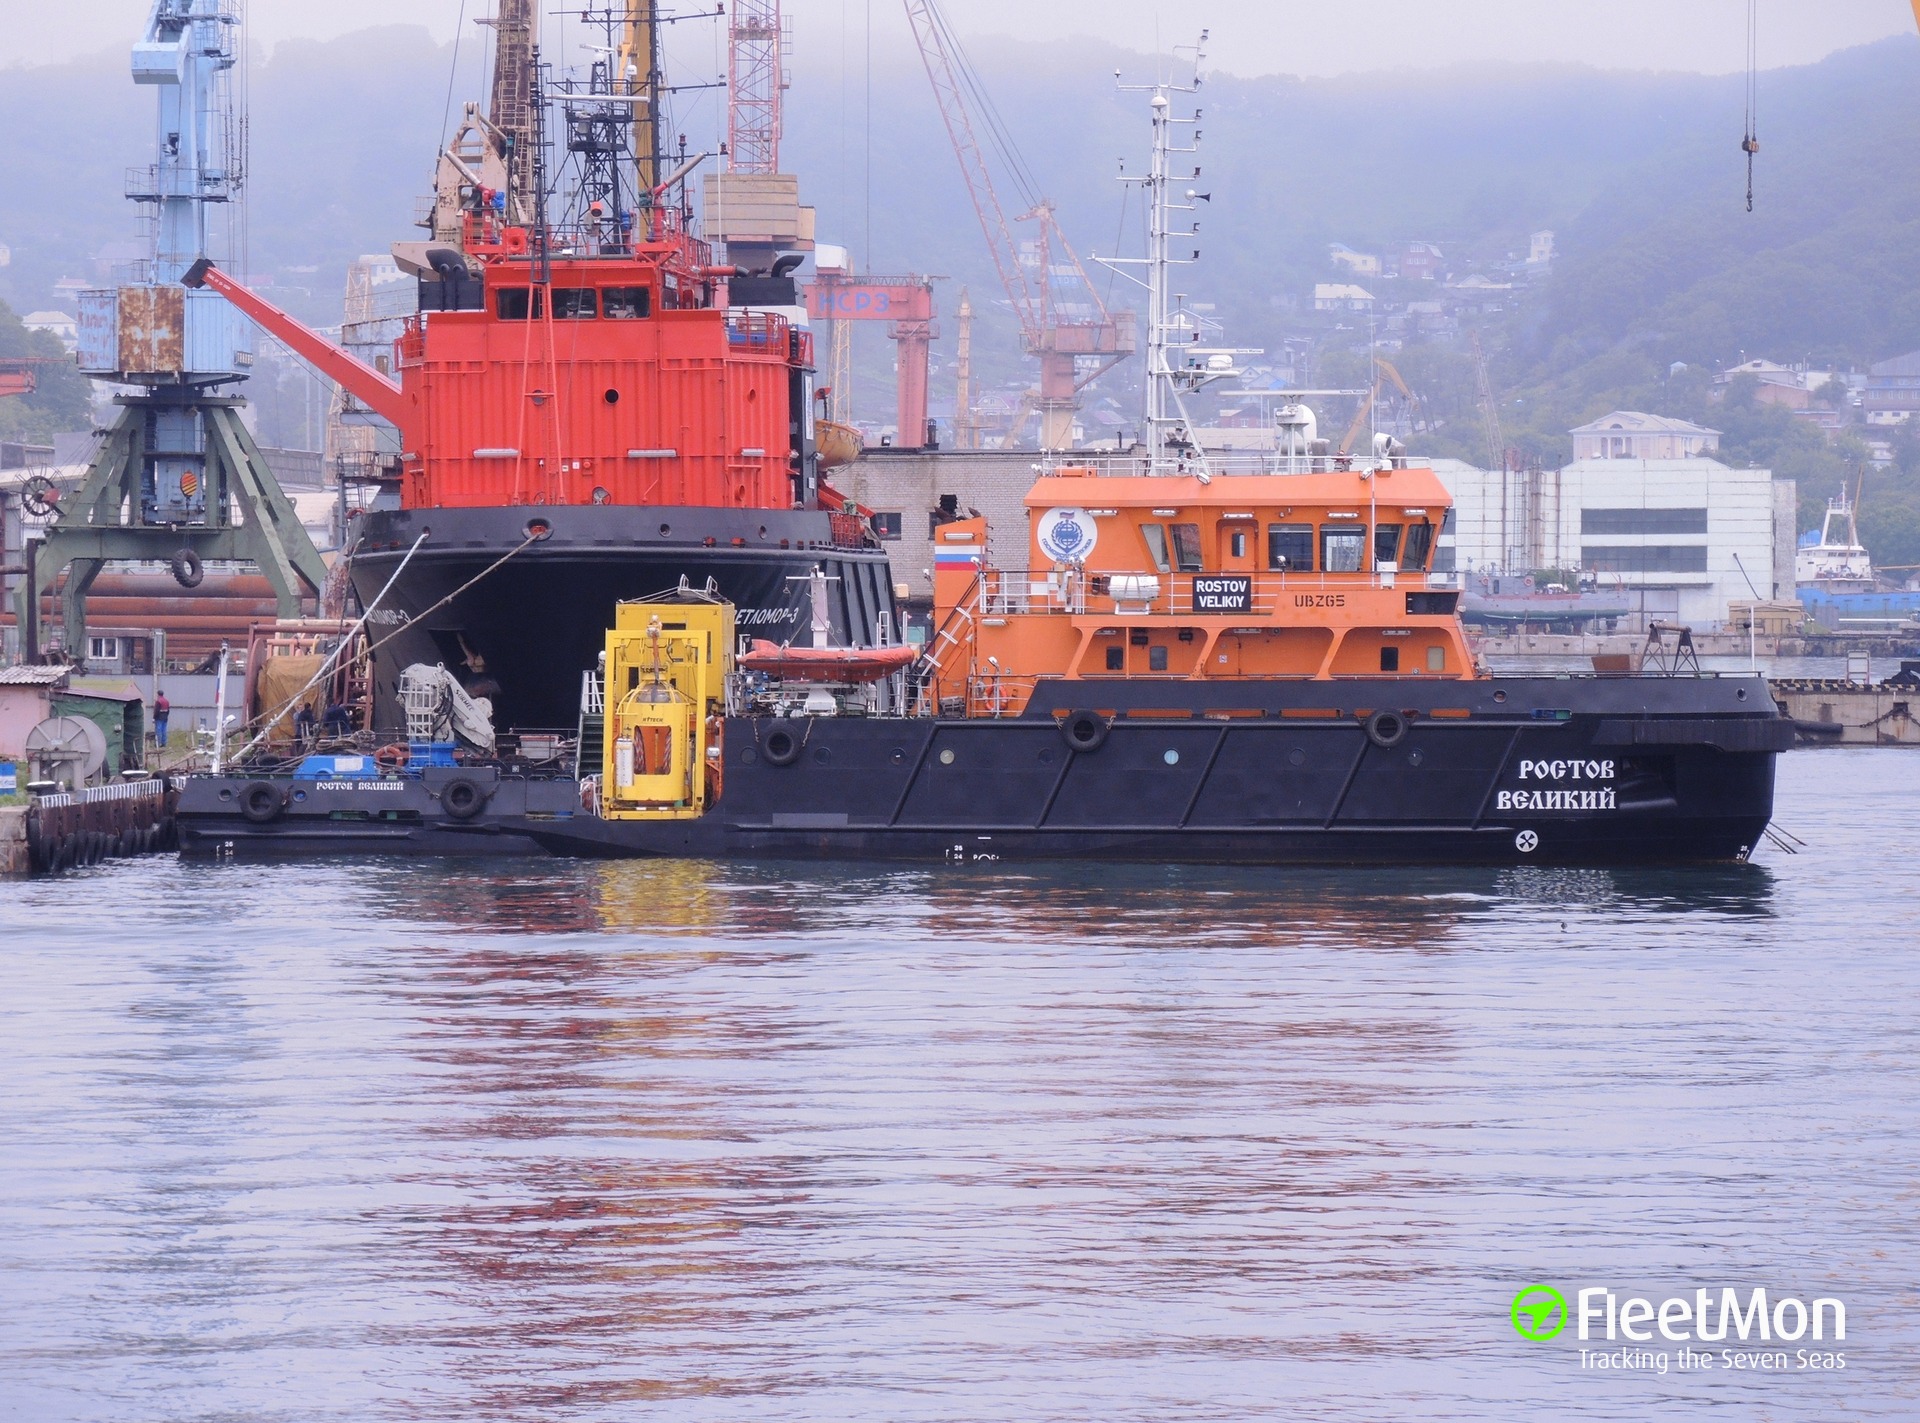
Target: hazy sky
column 1317, row 37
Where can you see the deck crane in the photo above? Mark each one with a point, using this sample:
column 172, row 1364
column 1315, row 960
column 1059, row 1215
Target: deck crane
column 1072, row 354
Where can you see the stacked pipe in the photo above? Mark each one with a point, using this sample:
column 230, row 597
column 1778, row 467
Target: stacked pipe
column 219, row 610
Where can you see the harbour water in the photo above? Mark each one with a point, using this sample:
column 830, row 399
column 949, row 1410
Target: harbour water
column 534, row 1140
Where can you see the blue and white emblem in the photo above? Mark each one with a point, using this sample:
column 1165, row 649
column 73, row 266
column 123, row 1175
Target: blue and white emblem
column 1067, row 535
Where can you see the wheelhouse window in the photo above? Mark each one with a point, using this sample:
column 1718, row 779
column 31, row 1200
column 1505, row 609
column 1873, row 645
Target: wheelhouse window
column 1415, row 548
column 517, row 303
column 1186, row 548
column 575, row 303
column 626, row 303
column 1156, row 537
column 1386, row 544
column 1290, row 548
column 886, row 525
column 1343, row 547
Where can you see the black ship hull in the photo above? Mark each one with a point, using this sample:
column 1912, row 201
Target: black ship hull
column 1512, row 771
column 1628, row 771
column 280, row 817
column 521, row 621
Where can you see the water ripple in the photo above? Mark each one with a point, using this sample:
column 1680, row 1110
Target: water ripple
column 526, row 1140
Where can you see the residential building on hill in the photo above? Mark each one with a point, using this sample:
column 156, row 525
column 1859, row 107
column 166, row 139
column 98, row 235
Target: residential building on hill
column 1892, row 393
column 1341, row 296
column 1361, row 264
column 1635, row 435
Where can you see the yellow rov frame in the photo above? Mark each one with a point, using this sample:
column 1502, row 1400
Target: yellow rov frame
column 668, row 659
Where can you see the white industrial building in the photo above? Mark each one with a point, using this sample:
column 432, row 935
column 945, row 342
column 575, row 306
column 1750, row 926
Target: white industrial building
column 1679, row 537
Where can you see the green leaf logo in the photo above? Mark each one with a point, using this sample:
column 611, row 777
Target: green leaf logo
column 1539, row 1312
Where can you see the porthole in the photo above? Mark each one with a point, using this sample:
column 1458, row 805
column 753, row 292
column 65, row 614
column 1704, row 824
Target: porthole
column 1415, row 758
column 612, row 397
column 665, row 529
column 898, row 756
column 821, row 755
column 748, row 756
column 1296, row 757
column 1172, row 758
column 946, row 757
column 1499, row 696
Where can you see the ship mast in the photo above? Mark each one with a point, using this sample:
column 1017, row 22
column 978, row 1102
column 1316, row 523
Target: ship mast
column 639, row 64
column 1176, row 366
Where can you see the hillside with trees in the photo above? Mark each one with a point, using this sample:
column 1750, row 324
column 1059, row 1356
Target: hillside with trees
column 1662, row 276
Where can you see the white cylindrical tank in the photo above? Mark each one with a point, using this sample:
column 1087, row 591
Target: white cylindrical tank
column 1133, row 587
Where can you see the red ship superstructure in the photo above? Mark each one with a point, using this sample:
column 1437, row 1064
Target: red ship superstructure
column 588, row 411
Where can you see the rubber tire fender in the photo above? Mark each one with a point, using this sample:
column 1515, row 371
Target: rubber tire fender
column 781, row 747
column 187, row 568
column 463, row 797
column 1085, row 730
column 262, row 801
column 1387, row 729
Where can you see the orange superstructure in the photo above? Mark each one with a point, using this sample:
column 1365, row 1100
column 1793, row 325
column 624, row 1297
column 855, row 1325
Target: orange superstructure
column 1324, row 574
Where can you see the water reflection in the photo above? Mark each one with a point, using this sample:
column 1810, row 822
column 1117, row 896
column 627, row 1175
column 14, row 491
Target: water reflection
column 785, row 1142
column 1046, row 903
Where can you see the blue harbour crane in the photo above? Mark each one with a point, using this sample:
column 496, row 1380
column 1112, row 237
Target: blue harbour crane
column 175, row 476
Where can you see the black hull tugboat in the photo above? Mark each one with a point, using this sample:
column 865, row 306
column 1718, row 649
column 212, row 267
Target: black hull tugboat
column 1508, row 771
column 1193, row 660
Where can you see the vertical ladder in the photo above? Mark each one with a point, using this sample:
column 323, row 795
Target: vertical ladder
column 590, row 741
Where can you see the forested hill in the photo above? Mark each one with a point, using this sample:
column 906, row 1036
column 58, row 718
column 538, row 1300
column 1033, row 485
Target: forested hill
column 1639, row 174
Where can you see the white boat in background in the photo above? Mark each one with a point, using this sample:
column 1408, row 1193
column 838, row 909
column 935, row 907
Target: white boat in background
column 1838, row 563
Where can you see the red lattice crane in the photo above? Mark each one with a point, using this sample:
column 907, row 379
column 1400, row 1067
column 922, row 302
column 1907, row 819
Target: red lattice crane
column 1072, row 353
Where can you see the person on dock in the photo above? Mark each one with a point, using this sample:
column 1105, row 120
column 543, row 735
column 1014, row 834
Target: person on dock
column 161, row 709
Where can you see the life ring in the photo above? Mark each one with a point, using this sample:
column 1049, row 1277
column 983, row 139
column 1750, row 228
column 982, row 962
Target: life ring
column 1387, row 729
column 392, row 756
column 1085, row 730
column 781, row 747
column 261, row 801
column 187, row 569
column 463, row 797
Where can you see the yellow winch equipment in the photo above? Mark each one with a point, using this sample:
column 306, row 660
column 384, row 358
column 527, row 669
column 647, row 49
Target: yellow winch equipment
column 666, row 692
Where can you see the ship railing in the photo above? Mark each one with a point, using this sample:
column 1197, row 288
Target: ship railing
column 998, row 695
column 759, row 330
column 1133, row 463
column 1147, row 592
